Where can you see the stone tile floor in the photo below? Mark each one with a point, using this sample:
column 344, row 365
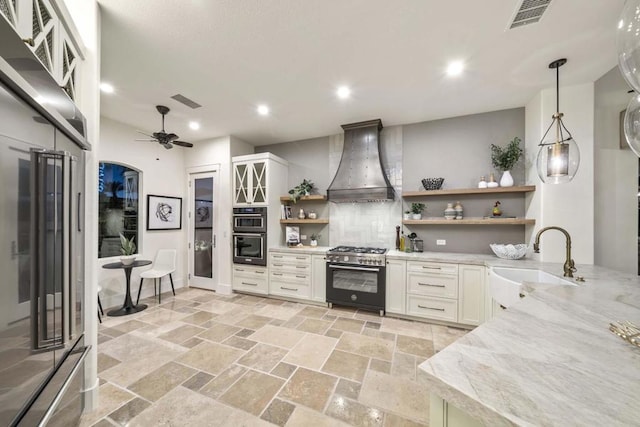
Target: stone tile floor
column 203, row 359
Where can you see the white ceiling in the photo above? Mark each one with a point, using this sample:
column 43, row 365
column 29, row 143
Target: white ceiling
column 231, row 55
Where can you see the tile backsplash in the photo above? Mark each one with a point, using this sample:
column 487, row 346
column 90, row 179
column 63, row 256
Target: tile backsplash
column 373, row 223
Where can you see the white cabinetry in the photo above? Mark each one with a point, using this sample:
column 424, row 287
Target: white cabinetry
column 471, row 296
column 319, row 278
column 395, row 297
column 432, row 290
column 42, row 26
column 259, row 179
column 250, row 278
column 290, row 275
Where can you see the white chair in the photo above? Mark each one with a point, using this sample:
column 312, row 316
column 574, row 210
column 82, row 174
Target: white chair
column 165, row 263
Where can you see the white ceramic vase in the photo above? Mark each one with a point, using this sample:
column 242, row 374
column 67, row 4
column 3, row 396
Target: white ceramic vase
column 506, row 180
column 416, row 216
column 127, row 259
column 314, row 243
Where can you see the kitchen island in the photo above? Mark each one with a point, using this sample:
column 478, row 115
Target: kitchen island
column 549, row 359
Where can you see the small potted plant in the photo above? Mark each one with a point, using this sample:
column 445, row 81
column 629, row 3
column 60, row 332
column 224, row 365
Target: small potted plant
column 314, row 239
column 416, row 210
column 128, row 250
column 302, row 189
column 406, row 215
column 504, row 159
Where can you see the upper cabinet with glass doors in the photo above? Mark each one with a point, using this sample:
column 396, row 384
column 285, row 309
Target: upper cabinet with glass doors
column 41, row 27
column 257, row 178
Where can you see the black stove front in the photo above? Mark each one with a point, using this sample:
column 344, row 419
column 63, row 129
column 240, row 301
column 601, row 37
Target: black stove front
column 356, row 280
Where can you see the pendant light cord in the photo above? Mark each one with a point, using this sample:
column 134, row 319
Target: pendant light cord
column 557, row 89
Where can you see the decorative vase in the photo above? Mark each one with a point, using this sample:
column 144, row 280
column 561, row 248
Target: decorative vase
column 312, row 215
column 506, row 180
column 406, row 216
column 450, row 212
column 301, row 214
column 127, row 259
column 492, row 181
column 482, row 183
column 459, row 210
column 416, row 216
column 313, row 243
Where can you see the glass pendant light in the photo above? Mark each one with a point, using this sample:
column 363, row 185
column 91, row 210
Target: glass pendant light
column 558, row 158
column 628, row 41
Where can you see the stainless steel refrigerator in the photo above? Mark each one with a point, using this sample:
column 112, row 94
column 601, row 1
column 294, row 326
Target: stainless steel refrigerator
column 41, row 243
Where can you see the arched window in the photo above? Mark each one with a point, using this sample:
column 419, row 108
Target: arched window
column 118, row 207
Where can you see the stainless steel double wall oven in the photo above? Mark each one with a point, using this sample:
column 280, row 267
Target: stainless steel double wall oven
column 250, row 235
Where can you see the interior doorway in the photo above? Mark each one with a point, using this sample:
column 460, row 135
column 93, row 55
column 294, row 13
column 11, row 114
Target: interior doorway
column 202, row 230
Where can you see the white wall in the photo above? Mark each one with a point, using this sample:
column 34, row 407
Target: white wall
column 86, row 16
column 162, row 174
column 570, row 205
column 616, row 179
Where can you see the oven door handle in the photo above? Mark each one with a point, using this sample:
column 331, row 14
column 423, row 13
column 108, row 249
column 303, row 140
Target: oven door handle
column 248, row 234
column 342, row 267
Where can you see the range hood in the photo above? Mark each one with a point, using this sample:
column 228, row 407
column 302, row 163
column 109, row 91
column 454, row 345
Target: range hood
column 360, row 177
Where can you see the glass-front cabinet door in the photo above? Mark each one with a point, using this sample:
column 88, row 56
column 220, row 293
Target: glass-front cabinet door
column 250, row 183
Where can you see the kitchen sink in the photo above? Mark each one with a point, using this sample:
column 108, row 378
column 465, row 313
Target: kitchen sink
column 505, row 283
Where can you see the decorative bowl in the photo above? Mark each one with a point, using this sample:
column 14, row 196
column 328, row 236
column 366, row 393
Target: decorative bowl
column 432, row 183
column 509, row 251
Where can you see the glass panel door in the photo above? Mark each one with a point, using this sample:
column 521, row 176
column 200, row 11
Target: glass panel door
column 259, row 182
column 202, row 230
column 240, row 183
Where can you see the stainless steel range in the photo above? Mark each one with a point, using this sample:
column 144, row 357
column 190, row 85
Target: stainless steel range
column 356, row 277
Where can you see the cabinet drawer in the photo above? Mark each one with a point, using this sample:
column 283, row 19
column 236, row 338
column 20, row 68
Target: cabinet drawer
column 285, row 258
column 435, row 285
column 287, row 289
column 289, row 267
column 432, row 308
column 250, row 272
column 282, row 276
column 432, row 267
column 251, row 284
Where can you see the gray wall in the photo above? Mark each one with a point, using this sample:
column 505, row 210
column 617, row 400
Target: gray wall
column 456, row 149
column 616, row 179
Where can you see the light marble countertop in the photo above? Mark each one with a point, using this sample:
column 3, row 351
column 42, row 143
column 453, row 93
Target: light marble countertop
column 549, row 359
column 301, row 249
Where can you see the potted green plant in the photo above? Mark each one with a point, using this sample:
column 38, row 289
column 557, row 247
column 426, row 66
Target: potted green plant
column 504, row 159
column 314, row 239
column 128, row 250
column 302, row 189
column 416, row 210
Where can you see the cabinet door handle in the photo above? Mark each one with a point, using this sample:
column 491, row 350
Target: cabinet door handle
column 288, row 289
column 430, row 308
column 249, row 283
column 429, row 284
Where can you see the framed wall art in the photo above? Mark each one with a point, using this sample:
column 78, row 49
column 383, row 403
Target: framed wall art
column 164, row 212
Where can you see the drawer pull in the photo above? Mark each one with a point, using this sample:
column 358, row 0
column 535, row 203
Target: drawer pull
column 288, row 289
column 239, row 269
column 277, row 274
column 277, row 256
column 259, row 271
column 430, row 308
column 429, row 284
column 432, row 268
column 301, row 277
column 277, row 265
column 249, row 283
column 301, row 257
column 301, row 266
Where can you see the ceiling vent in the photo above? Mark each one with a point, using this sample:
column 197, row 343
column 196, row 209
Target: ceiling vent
column 186, row 101
column 529, row 12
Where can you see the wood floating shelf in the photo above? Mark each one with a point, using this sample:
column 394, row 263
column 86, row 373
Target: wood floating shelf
column 462, row 191
column 470, row 221
column 310, row 198
column 304, row 221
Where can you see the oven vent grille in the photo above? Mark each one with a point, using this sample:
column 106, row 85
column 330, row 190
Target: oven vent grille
column 529, row 12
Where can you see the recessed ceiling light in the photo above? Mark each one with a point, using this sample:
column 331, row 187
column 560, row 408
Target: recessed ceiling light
column 194, row 125
column 343, row 92
column 455, row 68
column 263, row 110
column 106, row 87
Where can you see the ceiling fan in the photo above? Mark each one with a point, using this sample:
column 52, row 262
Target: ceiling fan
column 167, row 140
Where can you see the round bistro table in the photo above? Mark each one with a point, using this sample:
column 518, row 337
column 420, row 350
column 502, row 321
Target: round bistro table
column 128, row 307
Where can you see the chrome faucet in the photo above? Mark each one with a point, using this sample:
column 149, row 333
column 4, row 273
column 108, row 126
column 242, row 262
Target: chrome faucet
column 569, row 265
